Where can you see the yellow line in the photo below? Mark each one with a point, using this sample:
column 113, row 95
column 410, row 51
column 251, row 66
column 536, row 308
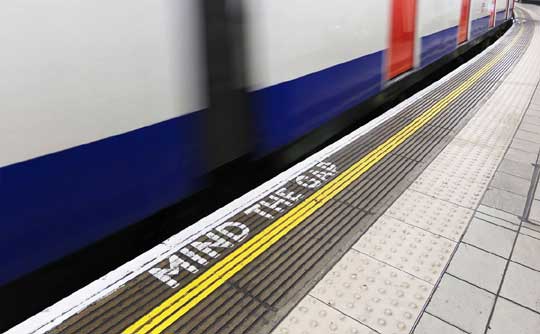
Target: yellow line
column 188, row 297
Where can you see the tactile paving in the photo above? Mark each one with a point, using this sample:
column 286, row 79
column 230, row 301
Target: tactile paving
column 312, row 316
column 466, row 160
column 378, row 295
column 457, row 190
column 411, row 249
column 431, row 214
column 497, row 131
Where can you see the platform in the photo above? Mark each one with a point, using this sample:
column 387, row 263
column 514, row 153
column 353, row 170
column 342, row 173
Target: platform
column 425, row 220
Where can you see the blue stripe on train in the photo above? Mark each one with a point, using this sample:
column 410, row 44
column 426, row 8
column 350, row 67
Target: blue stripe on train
column 501, row 17
column 479, row 26
column 53, row 205
column 437, row 45
column 289, row 110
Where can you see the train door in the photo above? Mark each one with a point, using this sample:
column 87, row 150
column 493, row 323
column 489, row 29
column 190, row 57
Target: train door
column 492, row 13
column 508, row 8
column 402, row 32
column 511, row 10
column 227, row 119
column 463, row 31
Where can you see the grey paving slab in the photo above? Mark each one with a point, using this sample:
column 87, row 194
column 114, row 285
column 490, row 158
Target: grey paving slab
column 534, row 106
column 504, row 200
column 526, row 146
column 534, row 214
column 489, row 237
column 510, row 318
column 477, row 267
column 535, row 128
column 531, row 119
column 514, row 184
column 429, row 324
column 496, row 221
column 533, row 112
column 532, row 225
column 462, row 304
column 528, row 226
column 523, row 170
column 529, row 136
column 514, row 219
column 530, row 232
column 521, row 156
column 522, row 285
column 527, row 252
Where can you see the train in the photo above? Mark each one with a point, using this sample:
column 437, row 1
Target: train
column 114, row 110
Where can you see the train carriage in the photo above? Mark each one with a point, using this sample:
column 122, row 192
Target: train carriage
column 106, row 105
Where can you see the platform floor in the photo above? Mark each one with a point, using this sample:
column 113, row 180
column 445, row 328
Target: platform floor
column 426, row 220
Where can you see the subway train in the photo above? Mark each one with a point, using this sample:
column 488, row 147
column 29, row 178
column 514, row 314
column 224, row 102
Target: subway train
column 113, row 110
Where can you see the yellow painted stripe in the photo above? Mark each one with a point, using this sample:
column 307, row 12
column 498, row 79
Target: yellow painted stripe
column 188, row 297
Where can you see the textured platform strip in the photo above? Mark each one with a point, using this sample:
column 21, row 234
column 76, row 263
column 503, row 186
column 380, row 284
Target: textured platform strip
column 247, row 275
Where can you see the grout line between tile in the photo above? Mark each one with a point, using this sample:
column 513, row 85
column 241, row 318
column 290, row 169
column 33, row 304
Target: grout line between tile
column 484, row 250
column 487, row 214
column 525, row 266
column 388, row 264
column 348, row 316
column 536, row 238
column 446, row 322
column 510, row 174
column 470, row 283
column 418, row 227
column 510, row 213
column 506, row 190
column 492, row 223
column 520, row 305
